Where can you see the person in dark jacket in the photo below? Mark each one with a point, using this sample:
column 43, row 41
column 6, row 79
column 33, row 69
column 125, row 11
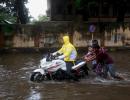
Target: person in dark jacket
column 102, row 57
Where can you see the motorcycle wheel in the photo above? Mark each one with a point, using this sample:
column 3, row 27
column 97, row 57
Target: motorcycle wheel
column 37, row 77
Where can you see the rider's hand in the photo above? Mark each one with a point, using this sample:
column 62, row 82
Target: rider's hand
column 55, row 53
column 61, row 57
column 56, row 58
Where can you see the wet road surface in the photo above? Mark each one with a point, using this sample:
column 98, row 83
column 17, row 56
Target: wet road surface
column 15, row 70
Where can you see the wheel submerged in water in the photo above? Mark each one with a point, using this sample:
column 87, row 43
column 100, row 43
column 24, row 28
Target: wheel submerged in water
column 37, row 77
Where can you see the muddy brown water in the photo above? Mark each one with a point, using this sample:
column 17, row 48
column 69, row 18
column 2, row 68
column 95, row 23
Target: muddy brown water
column 15, row 70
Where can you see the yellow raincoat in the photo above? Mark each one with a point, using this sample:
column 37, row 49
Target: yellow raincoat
column 68, row 50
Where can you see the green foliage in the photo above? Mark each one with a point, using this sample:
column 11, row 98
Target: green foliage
column 92, row 3
column 7, row 29
column 7, row 16
column 78, row 3
column 14, row 11
column 41, row 18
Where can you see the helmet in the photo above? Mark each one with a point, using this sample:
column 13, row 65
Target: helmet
column 95, row 42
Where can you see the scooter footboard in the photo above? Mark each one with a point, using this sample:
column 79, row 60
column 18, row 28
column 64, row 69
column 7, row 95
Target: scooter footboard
column 59, row 75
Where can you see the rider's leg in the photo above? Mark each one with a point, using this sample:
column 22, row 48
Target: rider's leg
column 105, row 71
column 69, row 67
column 111, row 70
column 85, row 69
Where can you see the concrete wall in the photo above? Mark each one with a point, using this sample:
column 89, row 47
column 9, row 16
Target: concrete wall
column 49, row 34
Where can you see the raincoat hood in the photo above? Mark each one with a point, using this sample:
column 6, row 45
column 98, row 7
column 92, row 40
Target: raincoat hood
column 68, row 50
column 66, row 39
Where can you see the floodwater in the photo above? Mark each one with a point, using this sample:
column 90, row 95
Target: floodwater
column 15, row 70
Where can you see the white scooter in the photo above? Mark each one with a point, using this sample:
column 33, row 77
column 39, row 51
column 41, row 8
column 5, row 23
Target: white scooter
column 51, row 68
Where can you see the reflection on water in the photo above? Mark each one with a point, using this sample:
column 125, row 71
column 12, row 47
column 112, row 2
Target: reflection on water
column 34, row 95
column 15, row 70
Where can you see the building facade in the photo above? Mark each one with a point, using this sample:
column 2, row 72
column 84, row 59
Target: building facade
column 89, row 10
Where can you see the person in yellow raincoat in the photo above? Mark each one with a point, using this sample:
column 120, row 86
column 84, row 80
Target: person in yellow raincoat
column 69, row 55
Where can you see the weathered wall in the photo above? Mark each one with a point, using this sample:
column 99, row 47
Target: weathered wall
column 49, row 34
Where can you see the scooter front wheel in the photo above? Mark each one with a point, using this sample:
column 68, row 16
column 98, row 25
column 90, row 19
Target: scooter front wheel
column 37, row 77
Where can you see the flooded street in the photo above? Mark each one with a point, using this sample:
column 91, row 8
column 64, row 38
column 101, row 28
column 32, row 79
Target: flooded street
column 15, row 70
